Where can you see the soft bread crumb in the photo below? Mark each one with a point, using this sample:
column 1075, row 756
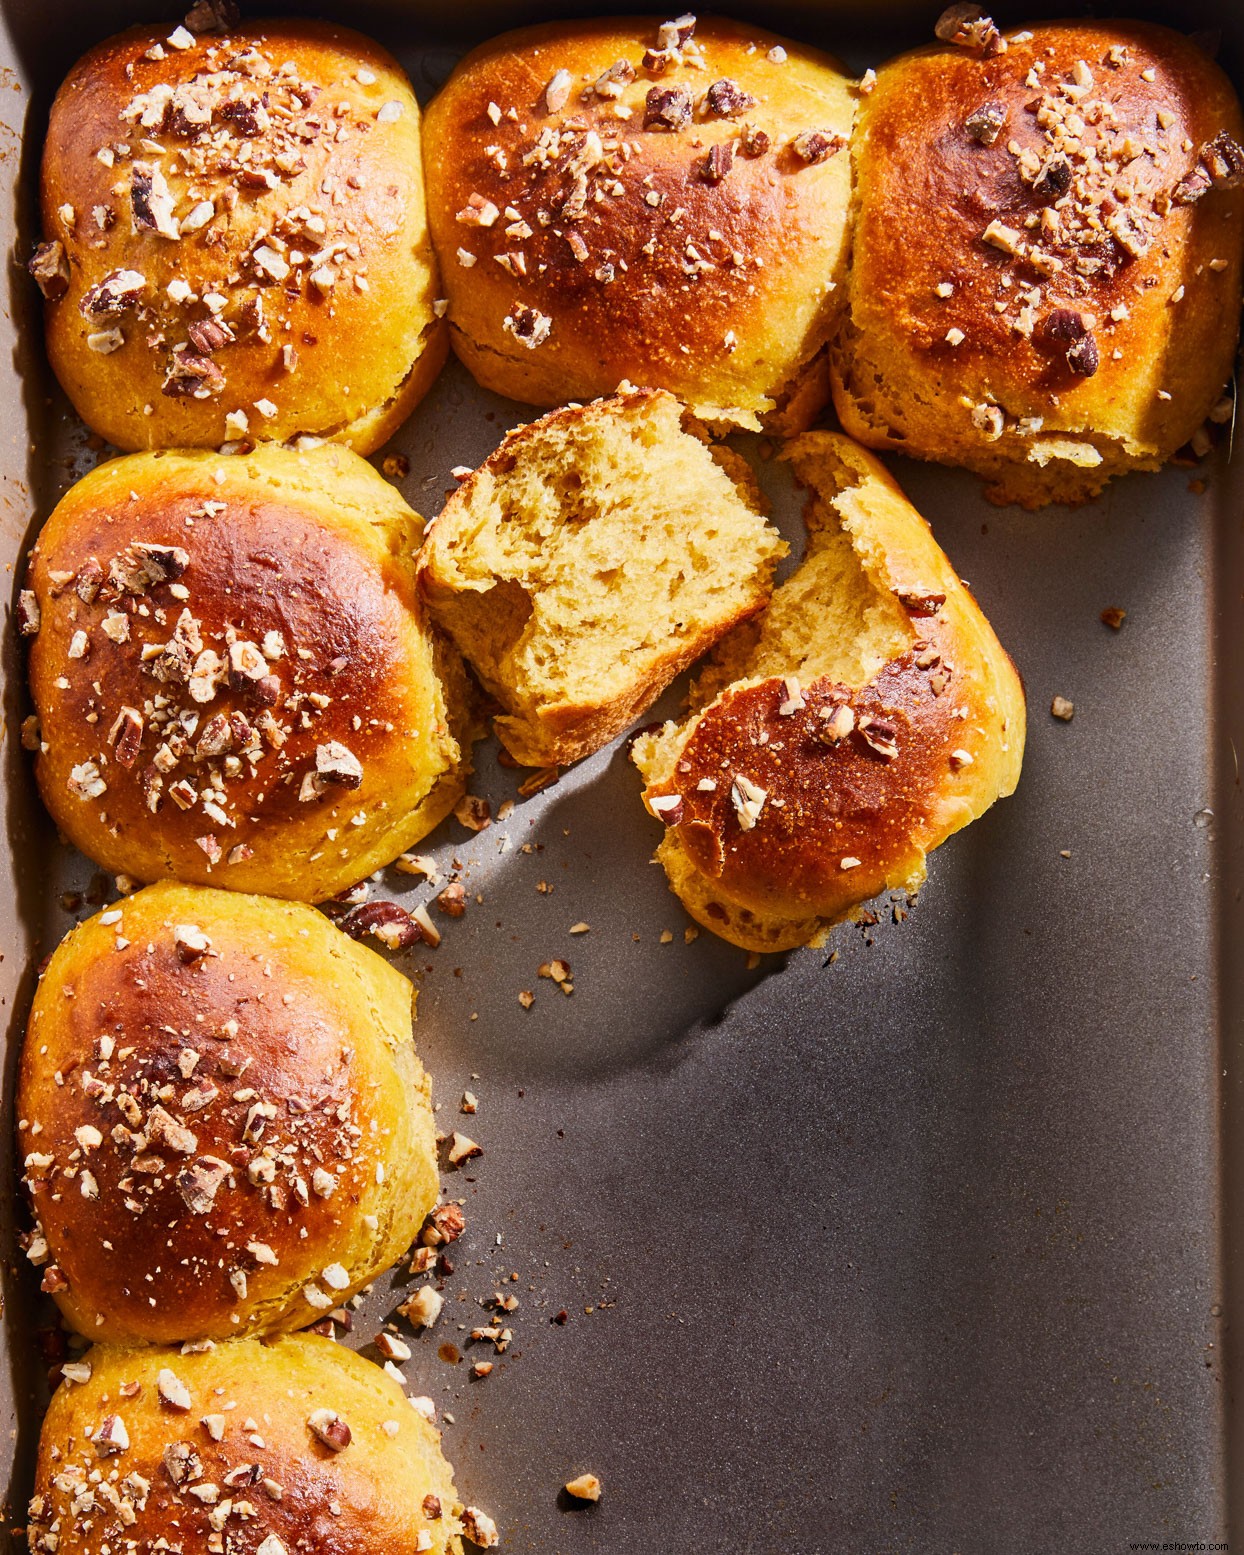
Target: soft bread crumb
column 597, row 553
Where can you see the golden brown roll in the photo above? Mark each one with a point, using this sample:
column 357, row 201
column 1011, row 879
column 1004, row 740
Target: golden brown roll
column 1046, row 272
column 839, row 738
column 223, row 1123
column 234, row 681
column 235, row 238
column 667, row 204
column 267, row 1449
column 589, row 560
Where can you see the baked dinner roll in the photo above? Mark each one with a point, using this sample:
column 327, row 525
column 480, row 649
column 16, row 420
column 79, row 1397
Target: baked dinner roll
column 595, row 555
column 1046, row 270
column 838, row 739
column 278, row 1449
column 223, row 1123
column 617, row 199
column 236, row 242
column 234, row 681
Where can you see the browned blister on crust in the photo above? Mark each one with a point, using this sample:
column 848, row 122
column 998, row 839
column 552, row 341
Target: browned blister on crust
column 236, row 241
column 607, row 209
column 1046, row 268
column 269, row 1449
column 234, row 681
column 844, row 734
column 223, row 1125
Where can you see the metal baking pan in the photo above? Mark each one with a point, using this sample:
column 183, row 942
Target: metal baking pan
column 934, row 1246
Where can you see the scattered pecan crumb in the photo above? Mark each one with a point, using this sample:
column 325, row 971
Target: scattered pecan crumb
column 1113, row 616
column 480, row 1528
column 461, row 1148
column 1062, row 708
column 543, row 778
column 388, row 922
column 473, row 812
column 586, row 1487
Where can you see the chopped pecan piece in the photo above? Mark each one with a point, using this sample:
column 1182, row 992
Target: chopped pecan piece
column 111, row 1438
column 208, row 335
column 446, row 1223
column 126, row 736
column 152, row 201
column 987, row 122
column 181, row 1463
column 337, row 763
column 968, row 27
column 667, row 808
column 753, row 142
column 667, row 108
column 216, row 738
column 879, row 736
column 557, row 92
column 473, row 812
column 1063, row 326
column 50, row 269
column 920, row 602
column 246, row 115
column 611, row 82
column 329, row 1428
column 1223, row 159
column 727, row 99
column 143, row 564
column 212, row 16
column 528, row 326
column 1083, row 357
column 716, row 163
column 836, row 724
column 386, row 921
column 112, row 297
column 1192, row 186
column 1054, row 179
column 190, row 374
column 28, row 613
column 812, row 146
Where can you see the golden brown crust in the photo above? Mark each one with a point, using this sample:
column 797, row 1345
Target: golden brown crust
column 854, row 802
column 294, row 216
column 322, row 753
column 240, row 1468
column 641, row 267
column 790, row 804
column 1087, row 316
column 219, row 1100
